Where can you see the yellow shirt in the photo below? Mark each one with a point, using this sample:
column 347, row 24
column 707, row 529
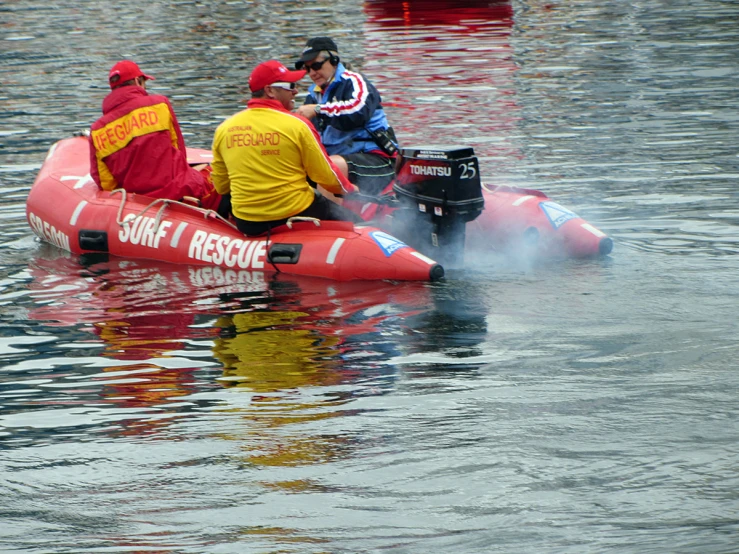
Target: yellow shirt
column 262, row 156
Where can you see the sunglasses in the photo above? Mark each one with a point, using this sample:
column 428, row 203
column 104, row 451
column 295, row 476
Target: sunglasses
column 315, row 66
column 285, row 86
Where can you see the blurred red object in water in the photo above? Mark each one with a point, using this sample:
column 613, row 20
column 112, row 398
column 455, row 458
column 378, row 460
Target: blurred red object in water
column 469, row 13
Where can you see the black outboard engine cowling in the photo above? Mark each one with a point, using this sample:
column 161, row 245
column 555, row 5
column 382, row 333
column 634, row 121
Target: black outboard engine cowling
column 440, row 191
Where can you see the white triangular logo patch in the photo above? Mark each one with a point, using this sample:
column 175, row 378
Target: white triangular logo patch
column 557, row 215
column 387, row 243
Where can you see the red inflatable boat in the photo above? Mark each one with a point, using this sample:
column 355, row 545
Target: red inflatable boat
column 437, row 207
column 66, row 208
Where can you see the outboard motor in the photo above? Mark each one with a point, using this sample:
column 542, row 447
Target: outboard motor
column 439, row 190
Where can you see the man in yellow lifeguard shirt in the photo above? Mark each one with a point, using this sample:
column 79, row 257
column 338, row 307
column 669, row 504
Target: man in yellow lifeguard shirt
column 263, row 156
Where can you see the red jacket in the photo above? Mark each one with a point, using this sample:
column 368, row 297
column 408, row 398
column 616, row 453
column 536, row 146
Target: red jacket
column 138, row 145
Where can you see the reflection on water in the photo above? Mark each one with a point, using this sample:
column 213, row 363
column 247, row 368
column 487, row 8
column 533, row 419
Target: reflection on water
column 458, row 56
column 264, row 352
column 123, row 346
column 569, row 407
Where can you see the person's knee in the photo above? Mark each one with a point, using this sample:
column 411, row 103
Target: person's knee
column 341, row 164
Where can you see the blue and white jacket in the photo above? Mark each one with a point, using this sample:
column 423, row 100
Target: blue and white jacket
column 350, row 106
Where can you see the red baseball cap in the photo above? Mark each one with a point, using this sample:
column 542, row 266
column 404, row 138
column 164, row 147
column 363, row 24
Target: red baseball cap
column 270, row 72
column 126, row 70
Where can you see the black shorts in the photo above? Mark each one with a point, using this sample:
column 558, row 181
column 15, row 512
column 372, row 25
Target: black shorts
column 321, row 208
column 370, row 172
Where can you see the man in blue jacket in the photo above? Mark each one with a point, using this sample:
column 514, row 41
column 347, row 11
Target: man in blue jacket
column 347, row 111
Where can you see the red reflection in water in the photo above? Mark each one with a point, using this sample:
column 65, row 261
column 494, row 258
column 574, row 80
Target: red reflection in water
column 445, row 71
column 270, row 333
column 469, row 13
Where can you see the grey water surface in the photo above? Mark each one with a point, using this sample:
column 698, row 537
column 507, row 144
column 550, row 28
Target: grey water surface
column 517, row 406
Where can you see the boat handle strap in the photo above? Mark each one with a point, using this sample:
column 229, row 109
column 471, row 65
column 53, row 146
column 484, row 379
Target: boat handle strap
column 299, row 218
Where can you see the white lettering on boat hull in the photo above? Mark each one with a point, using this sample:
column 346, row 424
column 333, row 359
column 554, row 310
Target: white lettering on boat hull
column 48, row 232
column 142, row 231
column 218, row 249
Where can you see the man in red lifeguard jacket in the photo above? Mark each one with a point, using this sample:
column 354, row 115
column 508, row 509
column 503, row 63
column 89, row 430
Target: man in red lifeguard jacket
column 137, row 145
